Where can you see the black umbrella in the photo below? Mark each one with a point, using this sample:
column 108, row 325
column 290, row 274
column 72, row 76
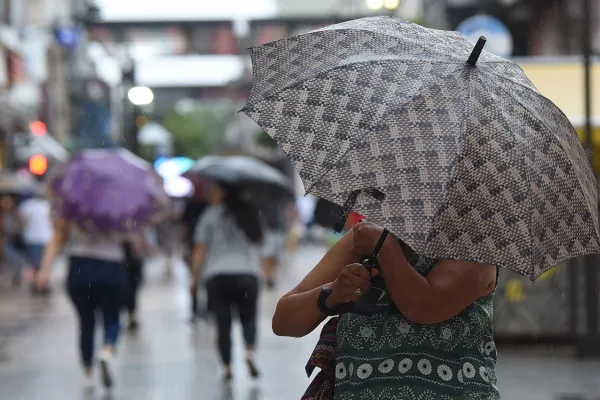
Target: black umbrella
column 243, row 170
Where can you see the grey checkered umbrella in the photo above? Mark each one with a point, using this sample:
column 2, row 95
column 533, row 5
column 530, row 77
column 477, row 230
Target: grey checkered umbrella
column 460, row 161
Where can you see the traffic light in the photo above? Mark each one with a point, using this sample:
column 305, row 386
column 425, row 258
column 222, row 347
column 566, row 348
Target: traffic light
column 38, row 164
column 38, row 128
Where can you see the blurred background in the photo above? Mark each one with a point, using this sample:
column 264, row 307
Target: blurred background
column 165, row 79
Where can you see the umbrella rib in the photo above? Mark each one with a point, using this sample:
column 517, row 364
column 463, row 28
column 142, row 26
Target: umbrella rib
column 521, row 160
column 460, row 148
column 533, row 114
column 323, row 71
column 537, row 93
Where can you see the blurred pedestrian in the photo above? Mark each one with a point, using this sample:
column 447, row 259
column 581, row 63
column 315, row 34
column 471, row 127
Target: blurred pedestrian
column 227, row 256
column 274, row 214
column 36, row 218
column 96, row 280
column 194, row 207
column 11, row 229
column 135, row 251
column 167, row 238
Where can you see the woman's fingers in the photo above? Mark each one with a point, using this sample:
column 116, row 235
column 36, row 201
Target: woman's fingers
column 357, row 276
column 352, row 293
column 359, row 270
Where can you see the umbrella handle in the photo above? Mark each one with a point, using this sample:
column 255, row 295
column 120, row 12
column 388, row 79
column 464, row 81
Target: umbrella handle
column 367, row 304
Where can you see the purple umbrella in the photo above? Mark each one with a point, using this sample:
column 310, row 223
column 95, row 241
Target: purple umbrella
column 109, row 192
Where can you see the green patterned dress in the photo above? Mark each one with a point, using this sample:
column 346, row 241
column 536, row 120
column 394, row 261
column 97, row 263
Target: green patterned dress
column 387, row 357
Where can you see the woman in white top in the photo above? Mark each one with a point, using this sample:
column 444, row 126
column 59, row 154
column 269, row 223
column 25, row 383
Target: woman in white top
column 96, row 281
column 36, row 217
column 228, row 241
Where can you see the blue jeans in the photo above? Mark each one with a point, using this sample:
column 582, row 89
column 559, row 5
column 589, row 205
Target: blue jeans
column 13, row 256
column 35, row 252
column 96, row 285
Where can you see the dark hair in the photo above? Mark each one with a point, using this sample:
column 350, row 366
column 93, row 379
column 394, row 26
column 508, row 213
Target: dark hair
column 244, row 212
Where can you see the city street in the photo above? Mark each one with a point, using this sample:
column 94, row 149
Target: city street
column 171, row 359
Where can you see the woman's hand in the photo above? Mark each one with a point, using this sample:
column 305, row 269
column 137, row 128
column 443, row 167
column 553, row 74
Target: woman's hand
column 42, row 278
column 365, row 238
column 353, row 282
column 193, row 284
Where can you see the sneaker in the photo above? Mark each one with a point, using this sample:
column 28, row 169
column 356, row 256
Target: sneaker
column 133, row 326
column 106, row 367
column 252, row 368
column 88, row 383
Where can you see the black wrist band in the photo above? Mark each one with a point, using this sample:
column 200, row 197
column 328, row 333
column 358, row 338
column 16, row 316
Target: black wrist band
column 329, row 312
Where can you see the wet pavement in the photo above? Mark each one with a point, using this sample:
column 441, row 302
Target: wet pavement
column 169, row 358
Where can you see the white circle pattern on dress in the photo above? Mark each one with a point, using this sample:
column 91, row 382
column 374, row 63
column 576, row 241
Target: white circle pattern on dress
column 405, row 365
column 468, row 370
column 424, row 366
column 444, row 372
column 364, row 371
column 386, row 366
column 340, row 371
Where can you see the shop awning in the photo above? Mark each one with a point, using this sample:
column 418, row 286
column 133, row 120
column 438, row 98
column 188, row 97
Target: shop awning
column 563, row 83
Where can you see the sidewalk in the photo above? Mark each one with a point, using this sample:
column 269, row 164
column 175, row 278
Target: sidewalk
column 170, row 360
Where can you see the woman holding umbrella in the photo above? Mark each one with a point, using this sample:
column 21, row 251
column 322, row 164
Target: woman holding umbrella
column 94, row 220
column 227, row 255
column 458, row 155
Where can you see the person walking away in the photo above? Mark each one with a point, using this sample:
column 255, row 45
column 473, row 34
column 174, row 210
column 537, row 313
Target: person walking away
column 275, row 218
column 168, row 239
column 97, row 280
column 11, row 227
column 194, row 207
column 134, row 250
column 35, row 216
column 227, row 252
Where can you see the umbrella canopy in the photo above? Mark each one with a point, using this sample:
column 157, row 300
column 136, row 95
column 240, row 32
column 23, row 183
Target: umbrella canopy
column 242, row 170
column 461, row 160
column 109, row 191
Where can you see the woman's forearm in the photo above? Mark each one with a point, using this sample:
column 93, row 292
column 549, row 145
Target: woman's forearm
column 50, row 252
column 197, row 260
column 407, row 288
column 297, row 315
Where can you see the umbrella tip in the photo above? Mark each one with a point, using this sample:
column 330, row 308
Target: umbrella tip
column 477, row 51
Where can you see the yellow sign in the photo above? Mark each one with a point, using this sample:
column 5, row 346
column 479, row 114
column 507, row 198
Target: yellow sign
column 515, row 291
column 549, row 274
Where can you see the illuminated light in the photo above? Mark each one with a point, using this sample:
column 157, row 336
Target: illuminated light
column 140, row 95
column 374, row 4
column 38, row 128
column 170, row 167
column 178, row 186
column 38, row 164
column 391, row 4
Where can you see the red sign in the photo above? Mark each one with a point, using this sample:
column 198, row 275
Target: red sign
column 270, row 33
column 224, row 41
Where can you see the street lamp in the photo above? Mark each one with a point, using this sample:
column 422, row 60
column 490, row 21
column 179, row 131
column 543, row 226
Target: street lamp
column 391, row 4
column 379, row 4
column 140, row 95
